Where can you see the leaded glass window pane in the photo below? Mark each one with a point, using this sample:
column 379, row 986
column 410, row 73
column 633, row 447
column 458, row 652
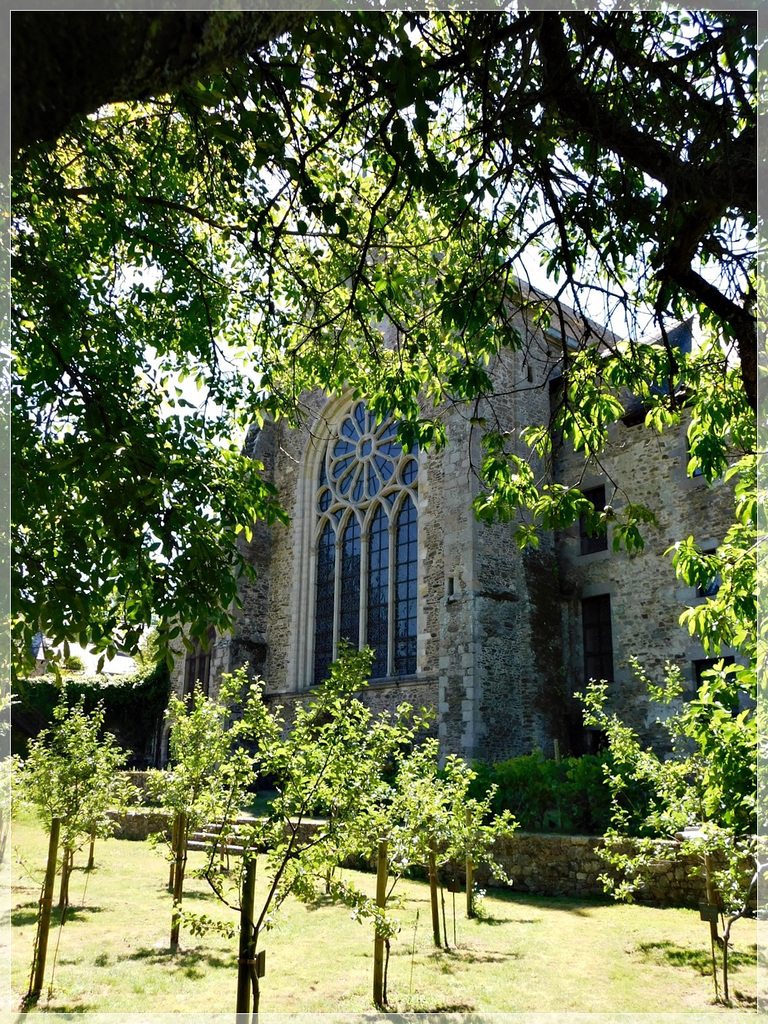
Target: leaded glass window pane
column 349, row 619
column 324, row 617
column 378, row 593
column 365, row 474
column 406, row 553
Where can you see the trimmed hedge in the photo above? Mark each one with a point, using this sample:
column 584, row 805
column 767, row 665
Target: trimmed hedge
column 570, row 796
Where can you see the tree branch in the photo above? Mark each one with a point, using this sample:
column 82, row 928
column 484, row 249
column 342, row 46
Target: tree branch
column 721, row 182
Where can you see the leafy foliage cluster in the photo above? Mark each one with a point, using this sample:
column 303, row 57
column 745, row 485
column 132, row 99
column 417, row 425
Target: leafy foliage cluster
column 364, row 772
column 133, row 705
column 571, row 796
column 71, row 773
column 706, row 792
column 189, row 263
column 426, row 809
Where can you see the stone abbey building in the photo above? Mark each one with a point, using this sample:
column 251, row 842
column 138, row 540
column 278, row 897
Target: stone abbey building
column 383, row 548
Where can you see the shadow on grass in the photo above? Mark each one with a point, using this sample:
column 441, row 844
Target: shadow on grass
column 28, row 913
column 429, row 1008
column 744, row 1000
column 450, row 958
column 699, row 960
column 483, row 918
column 323, row 901
column 188, row 895
column 75, row 1010
column 562, row 904
column 187, row 960
column 42, row 1004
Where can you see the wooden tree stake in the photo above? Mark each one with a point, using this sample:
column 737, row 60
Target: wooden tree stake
column 469, row 870
column 378, row 942
column 178, row 877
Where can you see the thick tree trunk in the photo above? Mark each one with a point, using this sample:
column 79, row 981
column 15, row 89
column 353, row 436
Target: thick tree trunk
column 69, row 63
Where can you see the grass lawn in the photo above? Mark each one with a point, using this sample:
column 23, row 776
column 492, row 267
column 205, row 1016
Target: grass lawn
column 526, row 954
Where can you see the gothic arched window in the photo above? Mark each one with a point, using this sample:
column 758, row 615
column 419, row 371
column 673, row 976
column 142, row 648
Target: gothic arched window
column 366, row 544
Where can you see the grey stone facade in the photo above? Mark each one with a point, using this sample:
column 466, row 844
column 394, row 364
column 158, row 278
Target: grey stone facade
column 500, row 635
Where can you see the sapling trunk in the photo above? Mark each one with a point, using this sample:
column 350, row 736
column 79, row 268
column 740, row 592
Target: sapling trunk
column 91, row 849
column 66, row 870
column 433, row 898
column 387, row 948
column 44, row 924
column 174, row 844
column 713, row 935
column 727, row 937
column 442, row 907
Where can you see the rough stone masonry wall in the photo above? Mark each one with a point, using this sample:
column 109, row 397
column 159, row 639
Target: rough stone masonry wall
column 646, row 598
column 517, row 608
column 450, row 546
column 378, row 697
column 553, row 865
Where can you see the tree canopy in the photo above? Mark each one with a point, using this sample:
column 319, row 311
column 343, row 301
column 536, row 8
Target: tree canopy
column 237, row 200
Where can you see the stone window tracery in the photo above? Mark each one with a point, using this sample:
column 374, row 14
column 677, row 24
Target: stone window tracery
column 366, row 545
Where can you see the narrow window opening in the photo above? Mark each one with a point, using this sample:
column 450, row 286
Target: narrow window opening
column 593, row 538
column 197, row 666
column 598, row 639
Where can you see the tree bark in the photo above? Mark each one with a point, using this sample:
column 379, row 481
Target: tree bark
column 70, row 63
column 379, row 994
column 44, row 923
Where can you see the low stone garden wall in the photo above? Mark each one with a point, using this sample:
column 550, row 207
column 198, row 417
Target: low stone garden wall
column 544, row 865
column 139, row 824
column 555, row 865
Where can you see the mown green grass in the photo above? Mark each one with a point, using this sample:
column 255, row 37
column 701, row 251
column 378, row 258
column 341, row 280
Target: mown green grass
column 525, row 954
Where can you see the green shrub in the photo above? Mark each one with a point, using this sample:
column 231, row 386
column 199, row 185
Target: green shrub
column 133, row 706
column 544, row 795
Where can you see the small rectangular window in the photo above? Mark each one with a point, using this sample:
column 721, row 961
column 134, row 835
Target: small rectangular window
column 598, row 639
column 590, row 540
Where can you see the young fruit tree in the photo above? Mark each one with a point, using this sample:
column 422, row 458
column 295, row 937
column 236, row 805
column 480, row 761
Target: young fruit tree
column 703, row 795
column 328, row 765
column 70, row 778
column 205, row 781
column 429, row 820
